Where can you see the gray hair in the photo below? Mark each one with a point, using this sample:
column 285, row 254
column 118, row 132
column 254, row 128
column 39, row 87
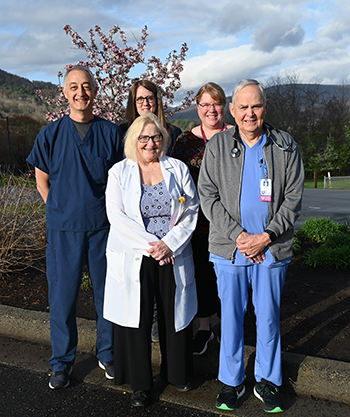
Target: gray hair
column 80, row 68
column 243, row 84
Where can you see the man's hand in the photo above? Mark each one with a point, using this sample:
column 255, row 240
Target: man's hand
column 253, row 246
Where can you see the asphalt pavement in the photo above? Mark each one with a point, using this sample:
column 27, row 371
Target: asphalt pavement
column 312, row 386
column 333, row 204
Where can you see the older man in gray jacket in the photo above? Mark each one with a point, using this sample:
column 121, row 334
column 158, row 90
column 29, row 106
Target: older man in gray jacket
column 250, row 186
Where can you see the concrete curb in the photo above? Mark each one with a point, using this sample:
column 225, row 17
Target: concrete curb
column 306, row 375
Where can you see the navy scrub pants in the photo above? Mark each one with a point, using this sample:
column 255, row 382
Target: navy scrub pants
column 66, row 253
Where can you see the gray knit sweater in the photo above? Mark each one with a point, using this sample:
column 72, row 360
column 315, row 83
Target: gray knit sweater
column 219, row 189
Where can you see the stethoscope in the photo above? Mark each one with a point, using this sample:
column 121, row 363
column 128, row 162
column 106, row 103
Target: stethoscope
column 235, row 152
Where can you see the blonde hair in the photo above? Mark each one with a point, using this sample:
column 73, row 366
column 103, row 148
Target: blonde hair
column 135, row 130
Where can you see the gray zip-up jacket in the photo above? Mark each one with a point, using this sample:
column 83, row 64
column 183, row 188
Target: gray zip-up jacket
column 219, row 189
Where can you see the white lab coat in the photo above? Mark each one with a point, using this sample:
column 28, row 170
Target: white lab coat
column 128, row 241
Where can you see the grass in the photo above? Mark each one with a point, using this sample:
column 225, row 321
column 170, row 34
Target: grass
column 310, row 184
column 17, row 181
column 336, row 184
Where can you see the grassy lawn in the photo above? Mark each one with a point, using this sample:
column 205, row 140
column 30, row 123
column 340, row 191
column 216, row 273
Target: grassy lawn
column 336, row 185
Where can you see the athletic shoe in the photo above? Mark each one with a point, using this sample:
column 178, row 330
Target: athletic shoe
column 60, row 379
column 201, row 340
column 108, row 367
column 183, row 388
column 139, row 399
column 228, row 396
column 267, row 392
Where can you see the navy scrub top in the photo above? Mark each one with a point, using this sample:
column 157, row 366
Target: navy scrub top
column 78, row 171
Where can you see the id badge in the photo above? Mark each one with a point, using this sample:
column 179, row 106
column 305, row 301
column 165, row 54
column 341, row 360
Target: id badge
column 265, row 189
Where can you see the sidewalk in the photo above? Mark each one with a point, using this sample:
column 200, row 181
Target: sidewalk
column 303, row 375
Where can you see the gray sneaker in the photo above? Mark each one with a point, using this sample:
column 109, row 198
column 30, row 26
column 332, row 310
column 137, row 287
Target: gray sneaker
column 108, row 367
column 60, row 379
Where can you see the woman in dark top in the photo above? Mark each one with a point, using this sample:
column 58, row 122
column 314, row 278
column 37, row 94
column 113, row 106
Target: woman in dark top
column 189, row 148
column 145, row 97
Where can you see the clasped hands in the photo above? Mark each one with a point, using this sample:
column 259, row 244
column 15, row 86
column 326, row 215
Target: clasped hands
column 253, row 246
column 161, row 252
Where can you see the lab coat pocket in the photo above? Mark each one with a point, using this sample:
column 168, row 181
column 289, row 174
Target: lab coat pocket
column 185, row 269
column 116, row 265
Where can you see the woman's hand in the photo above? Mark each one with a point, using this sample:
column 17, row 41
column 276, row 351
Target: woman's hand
column 167, row 260
column 161, row 252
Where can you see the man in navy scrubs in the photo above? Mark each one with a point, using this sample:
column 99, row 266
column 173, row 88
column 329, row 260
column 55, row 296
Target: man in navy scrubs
column 72, row 157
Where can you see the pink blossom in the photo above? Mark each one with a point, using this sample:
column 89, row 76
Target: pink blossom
column 111, row 65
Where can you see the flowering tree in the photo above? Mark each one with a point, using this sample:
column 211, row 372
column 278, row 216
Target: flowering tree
column 111, row 66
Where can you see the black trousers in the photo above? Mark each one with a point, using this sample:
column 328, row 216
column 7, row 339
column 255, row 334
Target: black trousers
column 207, row 290
column 132, row 346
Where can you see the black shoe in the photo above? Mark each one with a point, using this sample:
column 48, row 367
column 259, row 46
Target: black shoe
column 183, row 388
column 228, row 396
column 267, row 392
column 139, row 399
column 60, row 379
column 108, row 367
column 201, row 340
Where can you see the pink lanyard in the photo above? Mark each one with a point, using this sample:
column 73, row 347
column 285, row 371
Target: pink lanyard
column 203, row 134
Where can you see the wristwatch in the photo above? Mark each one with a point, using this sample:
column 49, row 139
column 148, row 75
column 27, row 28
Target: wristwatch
column 271, row 234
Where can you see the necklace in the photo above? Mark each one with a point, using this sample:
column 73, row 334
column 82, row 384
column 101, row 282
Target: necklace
column 203, row 134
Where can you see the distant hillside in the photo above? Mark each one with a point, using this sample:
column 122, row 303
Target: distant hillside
column 18, row 96
column 327, row 92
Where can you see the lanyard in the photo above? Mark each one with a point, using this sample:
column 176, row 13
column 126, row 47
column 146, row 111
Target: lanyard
column 203, row 134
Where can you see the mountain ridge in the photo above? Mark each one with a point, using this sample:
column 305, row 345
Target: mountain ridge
column 18, row 96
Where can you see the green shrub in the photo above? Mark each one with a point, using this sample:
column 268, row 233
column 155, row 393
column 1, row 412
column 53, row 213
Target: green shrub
column 324, row 256
column 296, row 243
column 85, row 282
column 319, row 230
column 332, row 243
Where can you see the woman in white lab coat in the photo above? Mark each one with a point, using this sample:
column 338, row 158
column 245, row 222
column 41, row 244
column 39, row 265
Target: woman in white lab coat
column 152, row 207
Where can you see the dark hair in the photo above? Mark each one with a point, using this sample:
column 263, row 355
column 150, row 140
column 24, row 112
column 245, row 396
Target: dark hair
column 215, row 92
column 131, row 111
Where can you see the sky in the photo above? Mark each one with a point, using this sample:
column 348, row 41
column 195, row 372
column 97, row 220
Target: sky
column 228, row 40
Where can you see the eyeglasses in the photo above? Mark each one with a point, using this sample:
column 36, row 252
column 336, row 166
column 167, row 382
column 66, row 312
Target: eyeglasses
column 215, row 106
column 149, row 99
column 155, row 138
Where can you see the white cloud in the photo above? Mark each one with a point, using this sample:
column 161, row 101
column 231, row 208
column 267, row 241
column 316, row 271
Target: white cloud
column 227, row 40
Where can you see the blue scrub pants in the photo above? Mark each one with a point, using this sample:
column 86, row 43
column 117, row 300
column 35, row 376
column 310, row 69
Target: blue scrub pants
column 66, row 253
column 267, row 284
